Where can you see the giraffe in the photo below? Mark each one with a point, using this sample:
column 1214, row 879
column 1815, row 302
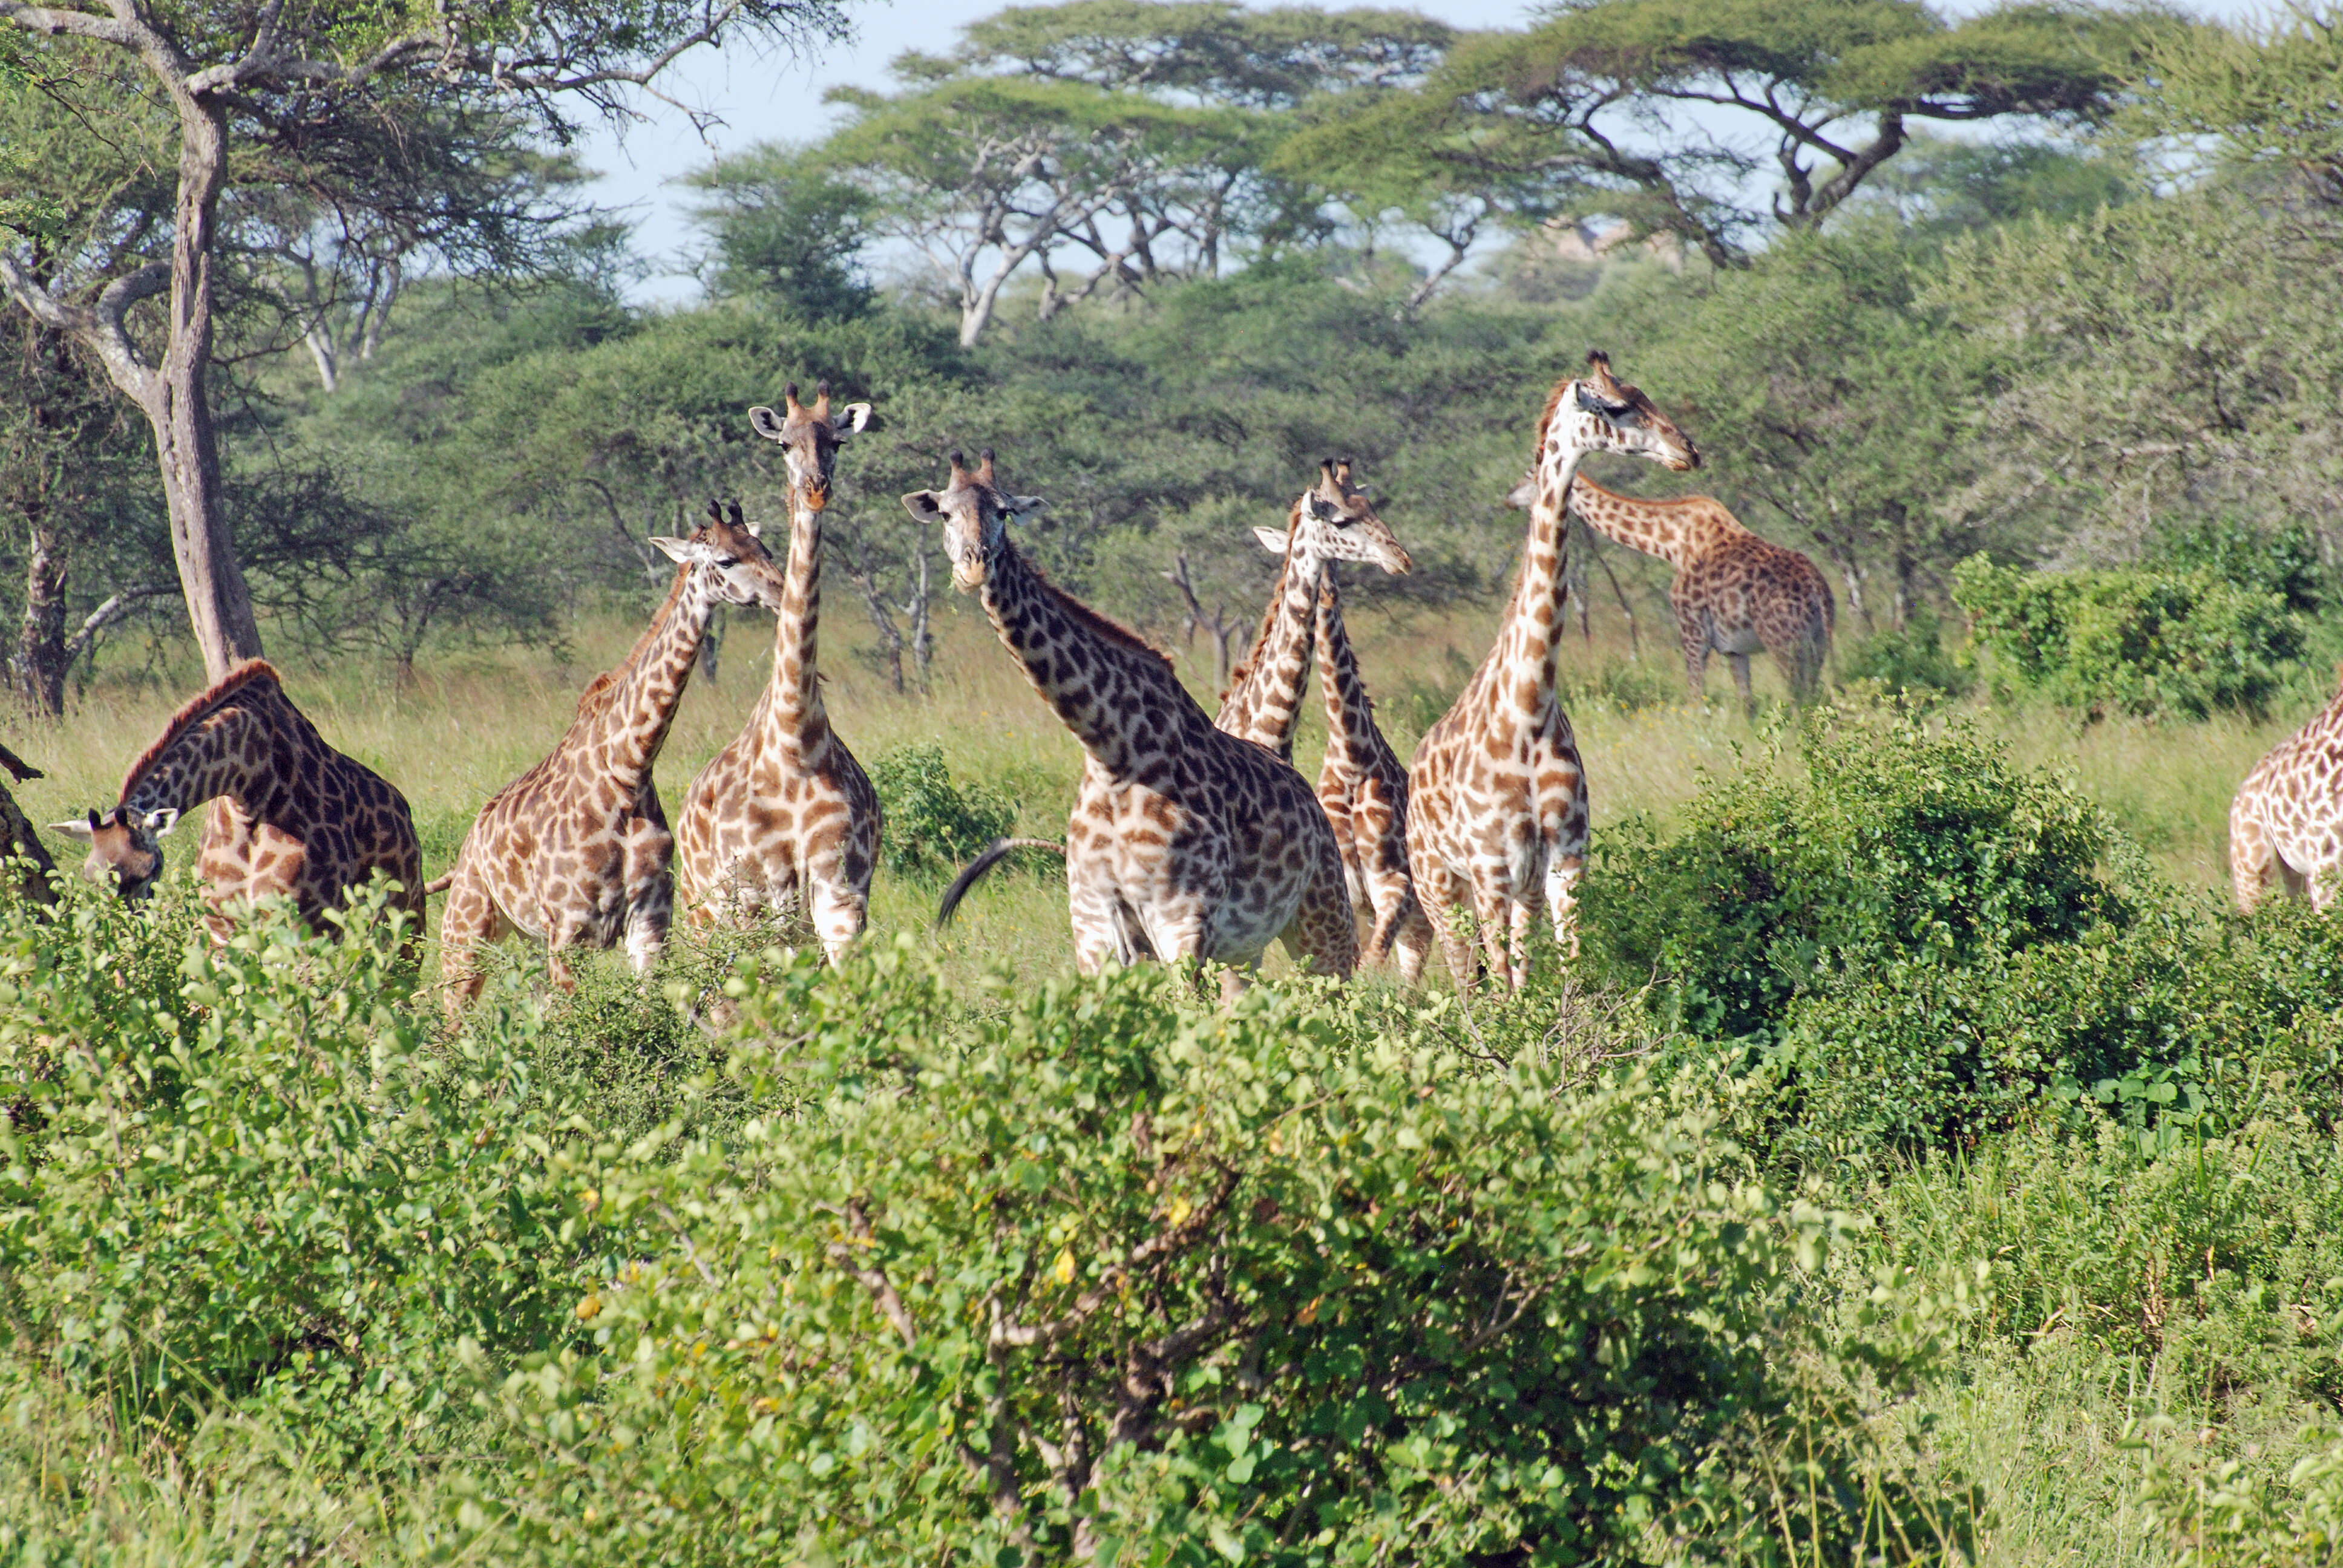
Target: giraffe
column 783, row 818
column 1362, row 785
column 574, row 852
column 1185, row 842
column 1734, row 593
column 1496, row 795
column 1332, row 522
column 2287, row 818
column 291, row 816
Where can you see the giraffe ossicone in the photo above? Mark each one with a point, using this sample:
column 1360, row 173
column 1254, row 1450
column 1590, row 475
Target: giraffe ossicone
column 575, row 851
column 783, row 821
column 291, row 816
column 1185, row 842
column 1497, row 801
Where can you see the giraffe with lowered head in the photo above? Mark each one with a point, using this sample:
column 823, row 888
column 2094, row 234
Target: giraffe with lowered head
column 575, row 851
column 1185, row 842
column 1498, row 807
column 784, row 819
column 1734, row 593
column 291, row 816
column 1360, row 785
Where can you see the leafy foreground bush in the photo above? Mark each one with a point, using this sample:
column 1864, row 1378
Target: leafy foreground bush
column 1115, row 1277
column 1092, row 1270
column 2179, row 643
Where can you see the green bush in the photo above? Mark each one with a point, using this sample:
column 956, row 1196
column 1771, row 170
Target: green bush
column 1108, row 1274
column 933, row 825
column 2152, row 643
column 245, row 1176
column 1884, row 846
column 1908, row 661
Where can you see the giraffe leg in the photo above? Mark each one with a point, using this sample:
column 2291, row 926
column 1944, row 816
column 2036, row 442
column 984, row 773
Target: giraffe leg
column 839, row 912
column 2252, row 858
column 1695, row 652
column 1740, row 663
column 650, row 895
column 1561, row 874
column 1492, row 910
column 472, row 921
column 1441, row 898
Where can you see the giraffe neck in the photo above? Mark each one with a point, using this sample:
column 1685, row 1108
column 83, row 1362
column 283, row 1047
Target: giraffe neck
column 1267, row 697
column 794, row 714
column 1350, row 712
column 646, row 689
column 241, row 750
column 1676, row 532
column 1118, row 696
column 1523, row 661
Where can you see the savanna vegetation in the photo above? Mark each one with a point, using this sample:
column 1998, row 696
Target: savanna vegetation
column 1922, row 1162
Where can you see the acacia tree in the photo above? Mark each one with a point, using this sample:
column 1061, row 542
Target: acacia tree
column 1672, row 114
column 320, row 85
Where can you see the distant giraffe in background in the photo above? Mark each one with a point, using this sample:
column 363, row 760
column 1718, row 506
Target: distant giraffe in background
column 1734, row 593
column 783, row 819
column 2286, row 820
column 1497, row 807
column 575, row 851
column 1185, row 841
column 1331, row 522
column 291, row 816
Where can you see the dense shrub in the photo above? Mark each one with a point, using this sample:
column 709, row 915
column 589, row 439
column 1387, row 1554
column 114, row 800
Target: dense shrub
column 241, row 1175
column 2172, row 643
column 931, row 823
column 1882, row 845
column 1110, row 1274
column 1908, row 661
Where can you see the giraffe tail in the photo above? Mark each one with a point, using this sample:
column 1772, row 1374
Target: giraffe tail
column 994, row 853
column 438, row 884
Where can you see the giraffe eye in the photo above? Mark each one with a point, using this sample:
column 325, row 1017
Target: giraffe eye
column 727, row 561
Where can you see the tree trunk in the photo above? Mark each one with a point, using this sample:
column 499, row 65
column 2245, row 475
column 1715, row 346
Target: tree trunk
column 38, row 671
column 219, row 605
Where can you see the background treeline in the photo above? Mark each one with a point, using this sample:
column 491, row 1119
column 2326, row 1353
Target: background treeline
column 1167, row 256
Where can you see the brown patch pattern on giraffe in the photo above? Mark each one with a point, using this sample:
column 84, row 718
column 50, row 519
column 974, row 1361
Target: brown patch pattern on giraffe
column 1734, row 593
column 575, row 851
column 2285, row 823
column 783, row 821
column 1497, row 802
column 1362, row 787
column 291, row 816
column 1185, row 842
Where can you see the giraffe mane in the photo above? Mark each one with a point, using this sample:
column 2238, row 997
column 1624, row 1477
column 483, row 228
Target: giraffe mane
column 1245, row 667
column 197, row 709
column 1106, row 626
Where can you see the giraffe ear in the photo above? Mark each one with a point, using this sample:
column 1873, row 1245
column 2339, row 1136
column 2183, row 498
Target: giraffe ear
column 160, row 822
column 1522, row 496
column 852, row 418
column 683, row 551
column 1270, row 540
column 1591, row 400
column 921, row 503
column 1019, row 506
column 83, row 829
column 768, row 424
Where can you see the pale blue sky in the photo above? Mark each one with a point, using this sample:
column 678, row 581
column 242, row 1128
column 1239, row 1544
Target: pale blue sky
column 778, row 97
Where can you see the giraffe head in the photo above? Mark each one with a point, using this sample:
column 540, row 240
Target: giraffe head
column 975, row 512
column 1606, row 415
column 125, row 847
column 809, row 438
column 731, row 558
column 1333, row 522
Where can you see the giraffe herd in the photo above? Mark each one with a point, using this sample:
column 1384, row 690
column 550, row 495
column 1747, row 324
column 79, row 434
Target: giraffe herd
column 1193, row 837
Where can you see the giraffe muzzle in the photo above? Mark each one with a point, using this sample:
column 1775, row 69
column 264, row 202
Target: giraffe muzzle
column 816, row 496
